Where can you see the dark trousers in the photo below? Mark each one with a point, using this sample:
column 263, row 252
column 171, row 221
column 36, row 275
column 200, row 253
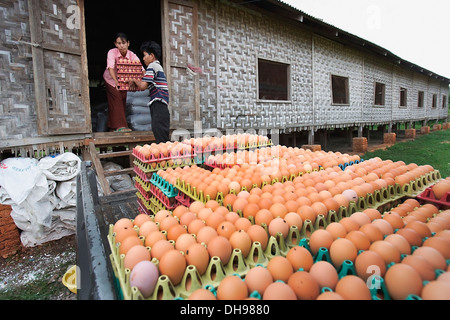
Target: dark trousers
column 159, row 112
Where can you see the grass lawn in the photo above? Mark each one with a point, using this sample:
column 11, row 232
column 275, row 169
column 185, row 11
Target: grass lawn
column 432, row 149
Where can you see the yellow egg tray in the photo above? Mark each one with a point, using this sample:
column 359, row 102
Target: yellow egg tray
column 192, row 280
column 163, row 165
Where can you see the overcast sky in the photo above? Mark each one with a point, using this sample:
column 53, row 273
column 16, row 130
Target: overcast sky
column 416, row 30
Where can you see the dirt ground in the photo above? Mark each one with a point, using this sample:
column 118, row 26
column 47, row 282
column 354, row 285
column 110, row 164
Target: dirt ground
column 46, row 263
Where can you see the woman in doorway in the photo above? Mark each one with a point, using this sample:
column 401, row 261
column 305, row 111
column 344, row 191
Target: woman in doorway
column 117, row 98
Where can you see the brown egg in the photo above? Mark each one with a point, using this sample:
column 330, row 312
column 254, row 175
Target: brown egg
column 444, row 276
column 124, row 233
column 135, row 255
column 280, row 268
column 402, row 280
column 147, row 227
column 325, row 274
column 443, row 234
column 342, row 249
column 440, row 244
column 320, row 238
column 153, row 237
column 436, row 290
column 175, row 231
column 187, row 218
column 242, row 224
column 294, row 219
column 173, row 265
column 184, row 241
column 259, row 234
column 386, row 250
column 329, row 295
column 359, row 239
column 369, row 263
column 205, row 234
column 258, row 279
column 421, row 265
column 349, row 224
column 195, row 225
column 160, row 215
column 351, row 287
column 160, row 247
column 128, row 243
column 122, row 223
column 141, row 218
column 394, row 219
column 214, row 219
column 221, row 247
column 226, row 229
column 372, row 232
column 279, row 291
column 179, row 211
column 278, row 225
column 372, row 213
column 384, row 226
column 361, row 218
column 304, row 285
column 198, row 256
column 241, row 240
column 300, row 257
column 421, row 228
column 232, row 288
column 202, row 294
column 399, row 242
column 433, row 256
column 337, row 230
column 411, row 235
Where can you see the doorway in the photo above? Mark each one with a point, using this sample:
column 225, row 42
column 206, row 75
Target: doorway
column 103, row 20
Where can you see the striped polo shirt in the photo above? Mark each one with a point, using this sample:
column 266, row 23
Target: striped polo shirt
column 157, row 82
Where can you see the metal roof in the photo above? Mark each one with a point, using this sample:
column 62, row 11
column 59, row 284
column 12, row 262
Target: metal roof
column 318, row 26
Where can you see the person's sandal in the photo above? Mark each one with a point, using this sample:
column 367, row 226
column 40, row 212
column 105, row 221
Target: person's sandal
column 123, row 129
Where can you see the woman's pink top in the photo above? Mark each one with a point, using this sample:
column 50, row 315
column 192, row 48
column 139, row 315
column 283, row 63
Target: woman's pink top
column 113, row 54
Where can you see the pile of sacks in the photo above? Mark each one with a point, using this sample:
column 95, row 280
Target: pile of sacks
column 42, row 194
column 138, row 111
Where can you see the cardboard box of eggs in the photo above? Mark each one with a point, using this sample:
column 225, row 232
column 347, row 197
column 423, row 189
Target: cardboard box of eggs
column 127, row 70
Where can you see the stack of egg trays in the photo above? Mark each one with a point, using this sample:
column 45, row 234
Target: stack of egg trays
column 148, row 168
column 152, row 206
column 159, row 188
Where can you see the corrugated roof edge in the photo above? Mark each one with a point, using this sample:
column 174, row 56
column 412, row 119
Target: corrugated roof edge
column 360, row 41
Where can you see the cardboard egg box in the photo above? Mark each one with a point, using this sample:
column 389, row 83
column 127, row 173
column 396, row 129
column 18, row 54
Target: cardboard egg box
column 127, row 70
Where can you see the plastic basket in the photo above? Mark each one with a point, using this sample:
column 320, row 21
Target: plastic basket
column 70, row 279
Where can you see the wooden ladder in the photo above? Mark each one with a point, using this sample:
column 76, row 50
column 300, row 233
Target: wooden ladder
column 109, row 139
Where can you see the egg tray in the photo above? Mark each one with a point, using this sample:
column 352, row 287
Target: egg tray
column 153, row 205
column 196, row 195
column 169, row 203
column 343, row 166
column 157, row 186
column 170, row 156
column 151, row 167
column 428, row 196
column 192, row 280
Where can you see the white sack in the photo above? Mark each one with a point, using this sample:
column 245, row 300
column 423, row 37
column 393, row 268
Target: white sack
column 62, row 167
column 21, row 178
column 67, row 192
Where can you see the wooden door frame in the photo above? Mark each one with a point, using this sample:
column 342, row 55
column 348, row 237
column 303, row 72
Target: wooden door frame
column 166, row 47
column 38, row 47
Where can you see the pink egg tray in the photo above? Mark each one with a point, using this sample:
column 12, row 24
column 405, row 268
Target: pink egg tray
column 428, row 196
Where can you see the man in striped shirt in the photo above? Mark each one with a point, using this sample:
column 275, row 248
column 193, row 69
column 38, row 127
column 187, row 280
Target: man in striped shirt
column 155, row 80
